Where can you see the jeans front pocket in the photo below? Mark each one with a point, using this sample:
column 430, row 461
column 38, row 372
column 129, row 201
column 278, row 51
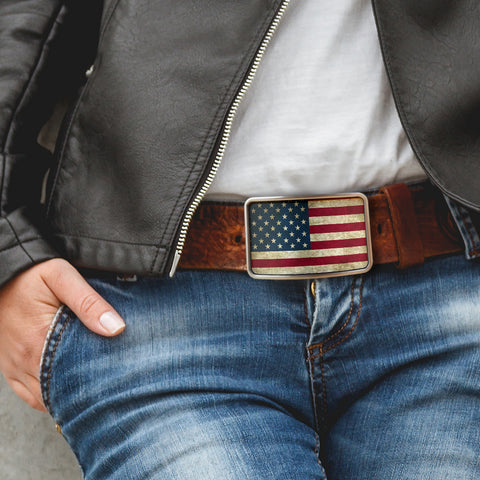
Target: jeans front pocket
column 52, row 341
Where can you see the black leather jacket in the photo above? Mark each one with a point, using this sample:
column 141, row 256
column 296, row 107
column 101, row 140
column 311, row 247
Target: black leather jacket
column 150, row 120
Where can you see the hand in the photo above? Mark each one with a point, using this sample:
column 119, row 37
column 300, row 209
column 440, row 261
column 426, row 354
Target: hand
column 28, row 304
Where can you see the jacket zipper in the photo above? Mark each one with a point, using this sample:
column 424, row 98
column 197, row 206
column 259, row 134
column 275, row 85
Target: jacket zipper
column 226, row 134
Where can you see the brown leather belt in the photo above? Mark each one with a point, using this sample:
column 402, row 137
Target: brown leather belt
column 408, row 225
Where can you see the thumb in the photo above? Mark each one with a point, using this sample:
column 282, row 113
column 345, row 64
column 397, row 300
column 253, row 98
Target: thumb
column 73, row 290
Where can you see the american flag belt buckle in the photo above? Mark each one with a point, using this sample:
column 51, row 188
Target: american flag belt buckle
column 309, row 237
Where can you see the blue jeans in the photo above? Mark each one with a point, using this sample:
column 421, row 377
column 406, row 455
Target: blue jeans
column 219, row 376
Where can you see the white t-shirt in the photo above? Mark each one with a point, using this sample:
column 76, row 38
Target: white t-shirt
column 319, row 117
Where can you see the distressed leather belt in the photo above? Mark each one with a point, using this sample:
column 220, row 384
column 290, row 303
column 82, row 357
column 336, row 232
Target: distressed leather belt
column 407, row 226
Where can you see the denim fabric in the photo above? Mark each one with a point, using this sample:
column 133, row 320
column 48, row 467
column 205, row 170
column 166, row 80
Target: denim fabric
column 218, row 376
column 467, row 222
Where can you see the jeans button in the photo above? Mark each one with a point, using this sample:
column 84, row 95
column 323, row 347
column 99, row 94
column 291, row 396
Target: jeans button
column 312, row 287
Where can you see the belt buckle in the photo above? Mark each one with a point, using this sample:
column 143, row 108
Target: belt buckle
column 307, row 237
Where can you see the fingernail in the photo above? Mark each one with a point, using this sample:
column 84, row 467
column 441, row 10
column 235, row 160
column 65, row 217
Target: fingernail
column 112, row 322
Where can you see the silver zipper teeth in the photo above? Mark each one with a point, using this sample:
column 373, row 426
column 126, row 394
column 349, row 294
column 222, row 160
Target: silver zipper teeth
column 226, row 135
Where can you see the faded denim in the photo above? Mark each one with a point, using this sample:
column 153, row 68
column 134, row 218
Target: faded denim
column 218, row 376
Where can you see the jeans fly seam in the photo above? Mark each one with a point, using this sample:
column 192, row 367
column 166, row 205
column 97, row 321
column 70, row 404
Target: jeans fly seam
column 323, row 410
column 347, row 321
column 330, row 347
column 49, row 374
column 322, row 347
column 322, row 350
column 315, row 415
column 317, row 455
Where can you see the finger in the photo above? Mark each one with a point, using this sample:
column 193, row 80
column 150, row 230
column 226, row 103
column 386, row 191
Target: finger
column 32, row 384
column 73, row 290
column 26, row 395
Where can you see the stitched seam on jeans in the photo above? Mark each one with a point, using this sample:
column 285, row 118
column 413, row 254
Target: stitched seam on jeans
column 316, row 422
column 317, row 455
column 51, row 329
column 49, row 374
column 317, row 447
column 347, row 321
column 312, row 390
column 341, row 340
column 356, row 320
column 323, row 404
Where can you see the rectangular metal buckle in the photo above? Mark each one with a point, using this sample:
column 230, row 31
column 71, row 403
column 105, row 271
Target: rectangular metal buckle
column 309, row 237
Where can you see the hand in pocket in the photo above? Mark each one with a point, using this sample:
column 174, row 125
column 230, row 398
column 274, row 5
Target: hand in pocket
column 28, row 304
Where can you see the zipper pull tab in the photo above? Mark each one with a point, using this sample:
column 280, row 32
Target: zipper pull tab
column 176, row 260
column 89, row 72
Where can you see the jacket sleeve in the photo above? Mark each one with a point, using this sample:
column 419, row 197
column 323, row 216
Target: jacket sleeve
column 45, row 48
